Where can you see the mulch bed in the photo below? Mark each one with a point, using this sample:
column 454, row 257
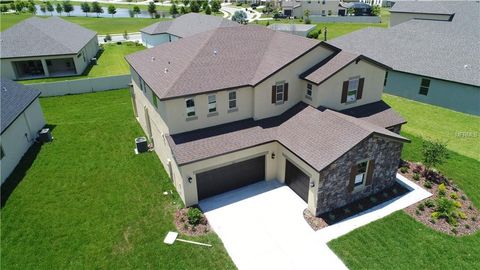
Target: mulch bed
column 469, row 225
column 353, row 208
column 181, row 222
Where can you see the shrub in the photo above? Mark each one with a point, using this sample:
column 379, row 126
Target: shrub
column 403, row 169
column 416, row 176
column 435, row 215
column 418, row 168
column 194, row 215
column 457, row 204
column 429, row 203
column 454, row 231
column 417, row 212
column 467, row 226
column 464, row 197
column 446, row 209
column 313, row 34
column 442, row 190
column 462, row 215
column 432, row 221
column 434, row 153
column 308, row 21
column 454, row 196
column 395, row 191
column 421, row 207
column 108, row 37
column 470, row 207
column 428, row 184
column 474, row 219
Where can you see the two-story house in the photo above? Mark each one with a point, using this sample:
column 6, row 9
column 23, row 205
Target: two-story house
column 233, row 106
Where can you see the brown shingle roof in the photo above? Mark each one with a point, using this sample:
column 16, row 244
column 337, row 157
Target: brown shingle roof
column 324, row 137
column 223, row 58
column 378, row 113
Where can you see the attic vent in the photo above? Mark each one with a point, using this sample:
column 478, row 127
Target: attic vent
column 153, row 58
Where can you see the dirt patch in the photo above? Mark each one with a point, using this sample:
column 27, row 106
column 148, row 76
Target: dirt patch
column 465, row 215
column 316, row 223
column 184, row 227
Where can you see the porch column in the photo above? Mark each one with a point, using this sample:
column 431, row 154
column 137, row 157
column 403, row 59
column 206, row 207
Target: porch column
column 45, row 68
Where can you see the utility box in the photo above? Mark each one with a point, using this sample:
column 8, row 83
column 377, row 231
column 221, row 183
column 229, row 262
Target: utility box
column 142, row 144
column 45, row 135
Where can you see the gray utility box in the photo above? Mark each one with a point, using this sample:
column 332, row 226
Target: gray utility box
column 45, row 135
column 142, row 144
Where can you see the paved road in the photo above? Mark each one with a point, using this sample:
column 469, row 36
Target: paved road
column 119, row 37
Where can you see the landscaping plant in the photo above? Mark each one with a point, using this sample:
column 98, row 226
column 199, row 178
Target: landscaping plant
column 434, row 153
column 194, row 216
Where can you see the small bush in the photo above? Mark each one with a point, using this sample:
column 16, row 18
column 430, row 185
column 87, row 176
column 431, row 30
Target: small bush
column 194, row 216
column 457, row 204
column 421, row 207
column 416, row 176
column 464, row 197
column 474, row 219
column 418, row 168
column 394, row 191
column 435, row 215
column 470, row 207
column 429, row 203
column 442, row 190
column 454, row 230
column 404, row 169
column 432, row 221
column 417, row 212
column 467, row 226
column 462, row 215
column 454, row 196
column 428, row 184
column 313, row 34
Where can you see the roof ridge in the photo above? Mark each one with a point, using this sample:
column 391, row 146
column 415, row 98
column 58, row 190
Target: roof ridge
column 29, row 22
column 265, row 49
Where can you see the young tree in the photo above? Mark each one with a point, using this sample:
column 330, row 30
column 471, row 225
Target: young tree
column 32, row 8
column 205, row 5
column 186, row 2
column 375, row 10
column 43, row 9
column 216, row 6
column 152, row 9
column 174, row 10
column 434, row 153
column 13, row 6
column 59, row 9
column 136, row 10
column 49, row 7
column 239, row 16
column 19, row 5
column 112, row 10
column 183, row 10
column 67, row 7
column 4, row 8
column 85, row 6
column 194, row 7
column 97, row 8
column 208, row 10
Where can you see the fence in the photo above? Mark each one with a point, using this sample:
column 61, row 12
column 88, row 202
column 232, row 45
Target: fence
column 87, row 85
column 356, row 19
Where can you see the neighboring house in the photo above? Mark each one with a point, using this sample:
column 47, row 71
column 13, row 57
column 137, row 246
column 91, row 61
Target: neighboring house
column 294, row 29
column 183, row 26
column 404, row 11
column 21, row 120
column 433, row 61
column 359, row 9
column 296, row 8
column 52, row 47
column 222, row 114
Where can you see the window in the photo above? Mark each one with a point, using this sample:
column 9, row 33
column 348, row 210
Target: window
column 154, row 99
column 212, row 103
column 142, row 84
column 279, row 97
column 2, row 154
column 323, row 12
column 352, row 89
column 361, row 173
column 309, row 90
column 232, row 100
column 424, row 86
column 385, row 80
column 190, row 103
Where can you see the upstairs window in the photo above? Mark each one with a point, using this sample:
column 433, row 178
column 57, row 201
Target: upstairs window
column 232, row 100
column 190, row 104
column 154, row 99
column 279, row 92
column 361, row 173
column 212, row 103
column 424, row 86
column 309, row 90
column 142, row 84
column 352, row 89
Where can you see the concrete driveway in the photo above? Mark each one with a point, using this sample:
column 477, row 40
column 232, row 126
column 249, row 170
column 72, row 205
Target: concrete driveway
column 262, row 227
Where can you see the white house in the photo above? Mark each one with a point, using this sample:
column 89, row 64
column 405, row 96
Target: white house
column 22, row 118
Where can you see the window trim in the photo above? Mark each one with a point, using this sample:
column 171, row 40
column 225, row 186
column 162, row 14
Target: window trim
column 309, row 89
column 423, row 89
column 282, row 85
column 232, row 100
column 214, row 106
column 364, row 174
column 350, row 80
column 187, row 107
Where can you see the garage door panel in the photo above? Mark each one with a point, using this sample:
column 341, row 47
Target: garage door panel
column 230, row 177
column 297, row 180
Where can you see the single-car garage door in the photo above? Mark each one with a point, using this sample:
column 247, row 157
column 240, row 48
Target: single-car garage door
column 297, row 180
column 230, row 177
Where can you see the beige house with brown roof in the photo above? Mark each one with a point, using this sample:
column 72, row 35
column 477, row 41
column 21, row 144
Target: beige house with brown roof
column 223, row 114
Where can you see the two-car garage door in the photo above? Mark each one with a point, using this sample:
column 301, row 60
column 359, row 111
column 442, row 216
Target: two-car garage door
column 230, row 177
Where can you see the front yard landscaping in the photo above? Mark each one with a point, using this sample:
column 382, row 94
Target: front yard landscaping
column 86, row 201
column 401, row 242
column 110, row 62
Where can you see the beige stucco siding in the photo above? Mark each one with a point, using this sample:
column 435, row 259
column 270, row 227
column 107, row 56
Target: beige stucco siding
column 316, row 8
column 19, row 136
column 329, row 93
column 263, row 106
column 397, row 18
column 90, row 51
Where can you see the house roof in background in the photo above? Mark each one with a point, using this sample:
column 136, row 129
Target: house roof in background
column 219, row 59
column 326, row 136
column 41, row 37
column 292, row 27
column 428, row 7
column 446, row 50
column 15, row 98
column 188, row 25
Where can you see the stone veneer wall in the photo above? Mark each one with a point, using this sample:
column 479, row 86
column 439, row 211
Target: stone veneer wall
column 333, row 189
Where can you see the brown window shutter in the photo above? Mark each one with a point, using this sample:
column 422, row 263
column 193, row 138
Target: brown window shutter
column 353, row 173
column 344, row 92
column 370, row 169
column 285, row 92
column 360, row 88
column 274, row 92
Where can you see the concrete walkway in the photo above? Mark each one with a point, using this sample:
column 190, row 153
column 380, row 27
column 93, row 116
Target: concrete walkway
column 262, row 226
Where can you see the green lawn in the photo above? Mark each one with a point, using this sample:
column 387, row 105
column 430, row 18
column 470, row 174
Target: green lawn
column 111, row 62
column 100, row 25
column 88, row 202
column 400, row 242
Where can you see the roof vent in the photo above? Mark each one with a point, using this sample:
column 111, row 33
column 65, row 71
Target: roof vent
column 466, row 66
column 215, row 52
column 166, row 70
column 153, row 58
column 4, row 89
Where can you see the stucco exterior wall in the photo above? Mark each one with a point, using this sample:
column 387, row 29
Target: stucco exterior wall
column 459, row 97
column 400, row 17
column 90, row 51
column 316, row 8
column 19, row 136
column 333, row 190
column 150, row 41
column 329, row 93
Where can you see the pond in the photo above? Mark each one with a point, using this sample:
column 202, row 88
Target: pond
column 121, row 13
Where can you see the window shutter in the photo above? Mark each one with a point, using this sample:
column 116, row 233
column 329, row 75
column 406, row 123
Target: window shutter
column 360, row 88
column 371, row 167
column 285, row 92
column 274, row 92
column 353, row 173
column 344, row 92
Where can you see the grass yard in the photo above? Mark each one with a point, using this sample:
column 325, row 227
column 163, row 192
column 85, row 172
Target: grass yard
column 101, row 25
column 111, row 62
column 400, row 242
column 88, row 202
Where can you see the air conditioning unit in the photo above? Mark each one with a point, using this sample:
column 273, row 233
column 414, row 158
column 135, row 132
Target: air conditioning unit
column 45, row 135
column 93, row 61
column 142, row 144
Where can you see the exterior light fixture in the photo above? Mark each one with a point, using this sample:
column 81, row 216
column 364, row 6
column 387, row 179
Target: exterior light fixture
column 189, row 179
column 312, row 183
column 273, row 155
